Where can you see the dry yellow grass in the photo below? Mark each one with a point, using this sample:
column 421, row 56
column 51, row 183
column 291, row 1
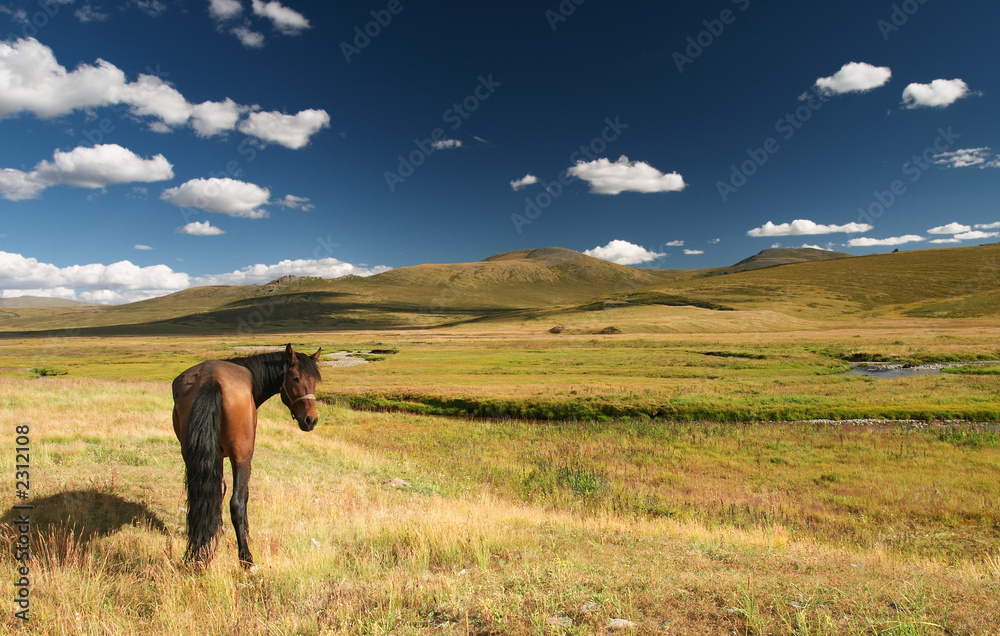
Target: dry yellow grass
column 342, row 553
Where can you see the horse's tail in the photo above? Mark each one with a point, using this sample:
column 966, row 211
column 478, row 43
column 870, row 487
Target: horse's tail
column 204, row 471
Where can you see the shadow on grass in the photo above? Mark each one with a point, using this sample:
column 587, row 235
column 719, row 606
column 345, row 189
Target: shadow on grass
column 87, row 514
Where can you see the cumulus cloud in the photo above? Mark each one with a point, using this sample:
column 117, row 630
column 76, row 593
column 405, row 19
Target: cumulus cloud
column 523, row 182
column 951, row 228
column 800, row 227
column 966, row 158
column 623, row 175
column 446, row 144
column 225, row 9
column 200, row 228
column 854, row 77
column 975, row 235
column 291, row 131
column 623, row 253
column 675, row 244
column 126, row 282
column 225, row 196
column 946, row 240
column 694, row 252
column 257, row 274
column 285, row 20
column 213, row 118
column 33, row 82
column 141, row 248
column 988, row 226
column 248, row 37
column 96, row 167
column 18, row 273
column 894, row 240
column 816, row 247
column 938, row 94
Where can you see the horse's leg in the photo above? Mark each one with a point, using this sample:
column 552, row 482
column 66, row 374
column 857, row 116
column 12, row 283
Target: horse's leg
column 238, row 508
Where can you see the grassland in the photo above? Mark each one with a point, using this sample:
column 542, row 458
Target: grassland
column 676, row 524
column 706, row 469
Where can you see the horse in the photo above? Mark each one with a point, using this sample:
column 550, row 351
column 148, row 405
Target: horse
column 215, row 416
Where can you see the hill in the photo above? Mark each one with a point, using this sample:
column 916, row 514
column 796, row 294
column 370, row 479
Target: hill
column 784, row 256
column 547, row 283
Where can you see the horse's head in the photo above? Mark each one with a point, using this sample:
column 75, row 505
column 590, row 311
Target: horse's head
column 301, row 378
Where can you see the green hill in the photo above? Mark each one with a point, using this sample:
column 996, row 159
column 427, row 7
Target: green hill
column 950, row 282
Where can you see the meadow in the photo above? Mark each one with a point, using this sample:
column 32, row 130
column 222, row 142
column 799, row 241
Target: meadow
column 693, row 474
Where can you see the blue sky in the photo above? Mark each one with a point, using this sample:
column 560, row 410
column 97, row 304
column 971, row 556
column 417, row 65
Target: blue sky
column 151, row 145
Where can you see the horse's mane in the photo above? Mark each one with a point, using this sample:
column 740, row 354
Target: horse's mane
column 267, row 371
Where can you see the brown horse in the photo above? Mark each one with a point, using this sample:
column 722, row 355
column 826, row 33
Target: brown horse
column 215, row 416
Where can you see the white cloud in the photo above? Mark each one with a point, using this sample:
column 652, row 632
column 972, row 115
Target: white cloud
column 225, row 9
column 200, row 228
column 895, row 240
column 694, row 252
column 938, row 94
column 248, row 37
column 951, row 228
column 257, row 274
column 152, row 8
column 523, row 182
column 623, row 253
column 623, row 175
column 966, row 157
column 291, row 131
column 225, row 196
column 675, row 244
column 854, row 77
column 295, row 203
column 975, row 234
column 988, row 226
column 87, row 13
column 800, row 227
column 816, row 247
column 33, row 82
column 125, row 282
column 947, row 240
column 714, row 241
column 445, row 144
column 28, row 274
column 142, row 248
column 285, row 20
column 213, row 118
column 96, row 167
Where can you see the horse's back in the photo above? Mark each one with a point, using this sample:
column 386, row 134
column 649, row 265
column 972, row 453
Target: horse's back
column 236, row 383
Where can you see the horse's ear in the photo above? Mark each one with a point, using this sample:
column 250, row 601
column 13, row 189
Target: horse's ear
column 289, row 353
column 315, row 356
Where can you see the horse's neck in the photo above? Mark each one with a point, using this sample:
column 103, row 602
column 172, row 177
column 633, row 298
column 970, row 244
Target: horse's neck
column 267, row 372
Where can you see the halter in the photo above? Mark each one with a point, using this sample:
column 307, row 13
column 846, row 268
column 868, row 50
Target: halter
column 288, row 394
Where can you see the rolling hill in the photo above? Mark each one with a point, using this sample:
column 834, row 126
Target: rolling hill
column 784, row 256
column 949, row 282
